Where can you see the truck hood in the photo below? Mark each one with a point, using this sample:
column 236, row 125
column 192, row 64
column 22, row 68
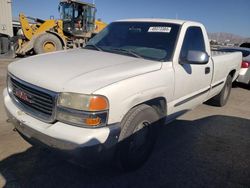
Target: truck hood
column 81, row 70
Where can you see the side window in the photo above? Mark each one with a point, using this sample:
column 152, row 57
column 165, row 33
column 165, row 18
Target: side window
column 193, row 40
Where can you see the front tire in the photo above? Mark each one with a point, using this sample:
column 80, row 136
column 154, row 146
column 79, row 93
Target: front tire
column 47, row 43
column 138, row 136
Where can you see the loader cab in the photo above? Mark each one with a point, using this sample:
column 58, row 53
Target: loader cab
column 78, row 18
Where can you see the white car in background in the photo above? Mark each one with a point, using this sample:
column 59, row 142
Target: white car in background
column 244, row 74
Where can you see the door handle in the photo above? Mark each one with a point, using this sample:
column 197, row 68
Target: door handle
column 207, row 70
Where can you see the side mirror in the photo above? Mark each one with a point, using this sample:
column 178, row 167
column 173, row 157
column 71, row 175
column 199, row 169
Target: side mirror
column 196, row 57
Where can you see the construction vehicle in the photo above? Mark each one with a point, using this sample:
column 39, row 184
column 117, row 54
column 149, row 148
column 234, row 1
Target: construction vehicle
column 76, row 26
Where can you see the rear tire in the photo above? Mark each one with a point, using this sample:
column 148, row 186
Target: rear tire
column 47, row 43
column 222, row 98
column 138, row 136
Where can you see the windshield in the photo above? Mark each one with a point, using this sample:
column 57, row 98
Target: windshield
column 149, row 40
column 67, row 11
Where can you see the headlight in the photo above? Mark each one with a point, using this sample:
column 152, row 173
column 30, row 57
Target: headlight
column 9, row 84
column 82, row 110
column 83, row 102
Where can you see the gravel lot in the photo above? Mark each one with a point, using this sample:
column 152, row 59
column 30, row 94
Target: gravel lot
column 207, row 147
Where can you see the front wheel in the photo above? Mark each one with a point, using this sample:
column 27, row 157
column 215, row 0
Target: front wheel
column 47, row 43
column 137, row 138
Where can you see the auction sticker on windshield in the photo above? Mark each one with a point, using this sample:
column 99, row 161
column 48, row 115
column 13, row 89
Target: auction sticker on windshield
column 160, row 29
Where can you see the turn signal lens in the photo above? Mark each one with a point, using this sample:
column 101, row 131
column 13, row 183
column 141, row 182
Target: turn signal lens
column 98, row 103
column 93, row 121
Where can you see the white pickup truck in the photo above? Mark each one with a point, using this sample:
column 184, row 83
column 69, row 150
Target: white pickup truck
column 110, row 95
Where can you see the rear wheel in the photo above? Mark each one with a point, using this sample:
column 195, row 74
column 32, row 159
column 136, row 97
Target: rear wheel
column 47, row 43
column 137, row 138
column 222, row 98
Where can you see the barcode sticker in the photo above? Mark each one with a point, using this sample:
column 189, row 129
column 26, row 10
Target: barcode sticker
column 160, row 29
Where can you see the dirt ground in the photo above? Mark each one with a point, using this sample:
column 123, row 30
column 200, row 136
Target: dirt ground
column 207, row 147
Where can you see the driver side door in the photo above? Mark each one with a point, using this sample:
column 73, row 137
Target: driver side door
column 192, row 81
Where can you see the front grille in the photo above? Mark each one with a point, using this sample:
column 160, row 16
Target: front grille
column 38, row 102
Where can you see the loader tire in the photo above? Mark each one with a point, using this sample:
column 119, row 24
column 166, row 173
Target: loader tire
column 47, row 43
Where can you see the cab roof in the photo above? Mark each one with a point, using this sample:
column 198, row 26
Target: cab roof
column 79, row 2
column 173, row 21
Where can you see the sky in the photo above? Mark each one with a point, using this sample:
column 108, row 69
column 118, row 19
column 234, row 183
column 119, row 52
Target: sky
column 231, row 16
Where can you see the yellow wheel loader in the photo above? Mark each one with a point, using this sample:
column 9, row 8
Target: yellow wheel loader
column 76, row 26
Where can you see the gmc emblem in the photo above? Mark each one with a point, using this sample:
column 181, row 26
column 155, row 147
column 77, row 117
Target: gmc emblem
column 22, row 95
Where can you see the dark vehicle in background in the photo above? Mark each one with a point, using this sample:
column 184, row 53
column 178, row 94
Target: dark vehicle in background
column 245, row 45
column 244, row 75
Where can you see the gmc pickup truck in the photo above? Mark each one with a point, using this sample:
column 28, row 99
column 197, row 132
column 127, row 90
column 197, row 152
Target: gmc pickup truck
column 113, row 93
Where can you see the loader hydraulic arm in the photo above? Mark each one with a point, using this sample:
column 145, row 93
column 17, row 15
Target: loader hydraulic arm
column 27, row 29
column 40, row 26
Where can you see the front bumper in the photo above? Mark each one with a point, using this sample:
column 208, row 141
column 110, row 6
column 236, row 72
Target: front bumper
column 78, row 141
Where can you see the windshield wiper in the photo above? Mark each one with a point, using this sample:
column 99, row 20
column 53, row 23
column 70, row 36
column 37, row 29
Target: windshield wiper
column 128, row 52
column 95, row 47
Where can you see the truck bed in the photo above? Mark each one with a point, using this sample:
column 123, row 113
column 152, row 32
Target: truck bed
column 233, row 59
column 217, row 53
